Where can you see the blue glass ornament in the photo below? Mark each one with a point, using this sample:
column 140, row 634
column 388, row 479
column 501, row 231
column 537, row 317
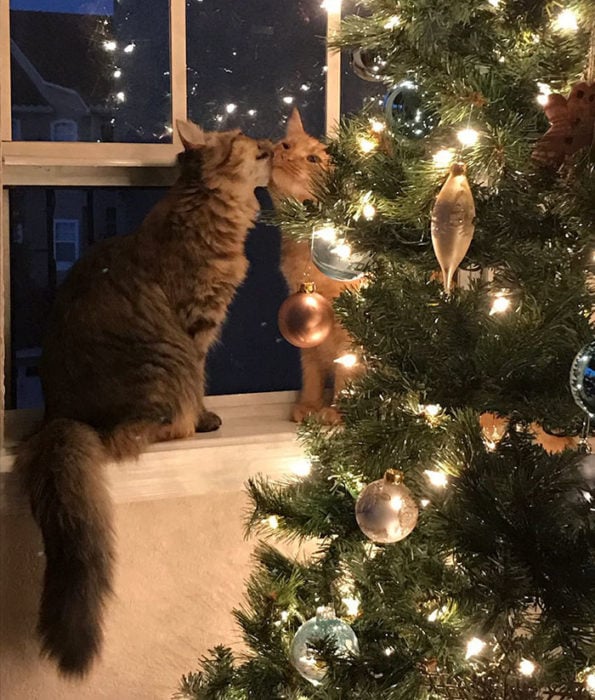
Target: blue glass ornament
column 324, row 626
column 582, row 379
column 333, row 256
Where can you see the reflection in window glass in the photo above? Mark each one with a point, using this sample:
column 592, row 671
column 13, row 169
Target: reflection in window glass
column 250, row 63
column 51, row 228
column 91, row 70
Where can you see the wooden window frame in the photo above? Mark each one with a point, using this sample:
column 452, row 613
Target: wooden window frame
column 80, row 164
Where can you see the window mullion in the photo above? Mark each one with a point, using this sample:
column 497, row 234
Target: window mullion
column 333, row 69
column 177, row 53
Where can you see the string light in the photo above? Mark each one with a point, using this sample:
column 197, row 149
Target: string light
column 377, row 126
column 436, row 478
column 251, row 112
column 368, row 211
column 474, row 647
column 468, row 137
column 347, row 360
column 230, row 108
column 566, row 21
column 273, row 522
column 526, row 667
column 432, row 409
column 129, row 49
column 121, row 97
column 109, row 45
column 352, row 605
column 425, row 502
column 365, row 144
column 443, row 158
column 544, row 94
column 284, row 616
column 117, row 73
column 590, row 682
column 389, row 651
column 392, row 22
column 500, row 305
column 288, row 100
column 301, row 467
column 494, row 3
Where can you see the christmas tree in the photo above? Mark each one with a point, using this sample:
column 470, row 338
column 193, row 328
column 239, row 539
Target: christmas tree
column 451, row 507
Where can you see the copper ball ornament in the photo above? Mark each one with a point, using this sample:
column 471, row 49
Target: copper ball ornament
column 306, row 318
column 385, row 510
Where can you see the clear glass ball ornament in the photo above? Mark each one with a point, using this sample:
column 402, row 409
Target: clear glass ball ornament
column 385, row 510
column 582, row 379
column 325, row 625
column 333, row 256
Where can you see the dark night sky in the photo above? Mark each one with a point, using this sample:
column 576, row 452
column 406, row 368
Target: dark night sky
column 90, row 7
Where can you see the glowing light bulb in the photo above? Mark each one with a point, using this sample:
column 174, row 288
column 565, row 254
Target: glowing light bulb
column 121, row 97
column 288, row 99
column 433, row 616
column 301, row 467
column 284, row 616
column 304, row 87
column 392, row 22
column 352, row 605
column 377, row 126
column 590, row 682
column 566, row 21
column 251, row 112
column 443, row 158
column 332, row 6
column 368, row 211
column 327, row 233
column 468, row 137
column 526, row 667
column 500, row 305
column 348, row 360
column 425, row 502
column 273, row 522
column 544, row 93
column 474, row 647
column 117, row 73
column 109, row 45
column 432, row 409
column 365, row 144
column 494, row 3
column 436, row 478
column 129, row 48
column 389, row 651
column 230, row 108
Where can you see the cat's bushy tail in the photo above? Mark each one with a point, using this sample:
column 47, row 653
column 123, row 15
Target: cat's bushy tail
column 62, row 470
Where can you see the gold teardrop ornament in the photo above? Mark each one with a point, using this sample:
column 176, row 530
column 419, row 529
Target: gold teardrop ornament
column 453, row 217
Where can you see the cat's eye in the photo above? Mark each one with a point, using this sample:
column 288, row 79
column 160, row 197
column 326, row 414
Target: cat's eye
column 313, row 159
column 285, row 145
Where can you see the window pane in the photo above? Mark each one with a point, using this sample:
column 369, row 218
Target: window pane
column 252, row 356
column 272, row 58
column 91, row 70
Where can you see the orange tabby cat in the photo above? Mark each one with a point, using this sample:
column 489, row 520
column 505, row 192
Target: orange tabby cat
column 297, row 159
column 123, row 365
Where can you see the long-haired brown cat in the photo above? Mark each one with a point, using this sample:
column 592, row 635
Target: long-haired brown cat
column 298, row 159
column 123, row 366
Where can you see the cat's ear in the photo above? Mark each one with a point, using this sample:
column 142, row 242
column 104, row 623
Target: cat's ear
column 191, row 134
column 294, row 123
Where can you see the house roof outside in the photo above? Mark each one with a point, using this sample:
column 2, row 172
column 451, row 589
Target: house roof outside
column 60, row 56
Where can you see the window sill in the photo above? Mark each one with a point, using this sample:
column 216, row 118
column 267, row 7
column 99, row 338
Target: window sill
column 257, row 437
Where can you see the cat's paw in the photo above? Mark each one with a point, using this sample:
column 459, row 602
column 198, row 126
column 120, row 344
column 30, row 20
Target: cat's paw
column 329, row 416
column 208, row 422
column 301, row 411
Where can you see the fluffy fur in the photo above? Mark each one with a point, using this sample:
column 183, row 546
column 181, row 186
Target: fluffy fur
column 123, row 365
column 297, row 160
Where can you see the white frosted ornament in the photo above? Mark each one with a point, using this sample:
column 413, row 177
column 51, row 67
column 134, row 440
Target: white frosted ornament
column 453, row 225
column 324, row 626
column 385, row 510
